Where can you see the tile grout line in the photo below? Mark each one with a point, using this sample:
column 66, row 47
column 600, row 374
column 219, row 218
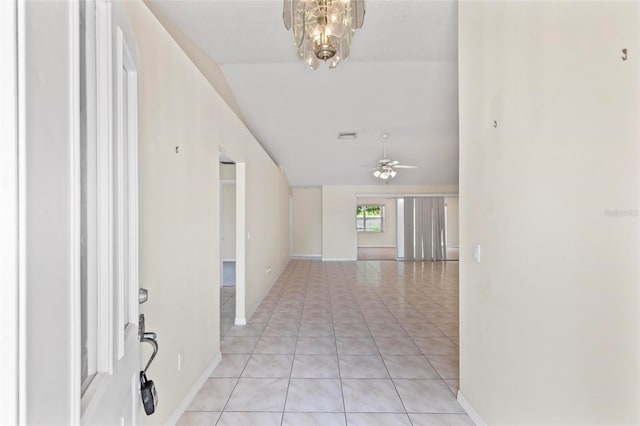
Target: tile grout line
column 244, row 368
column 335, row 340
column 378, row 295
column 406, row 413
column 426, row 357
column 293, row 360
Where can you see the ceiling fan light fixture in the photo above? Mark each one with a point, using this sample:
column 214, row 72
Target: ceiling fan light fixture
column 386, row 168
column 323, row 29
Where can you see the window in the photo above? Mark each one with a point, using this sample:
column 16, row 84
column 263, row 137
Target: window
column 370, row 218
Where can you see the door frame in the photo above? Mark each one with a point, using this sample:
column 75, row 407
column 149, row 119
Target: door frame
column 48, row 173
column 241, row 190
column 223, row 183
column 11, row 357
column 241, row 239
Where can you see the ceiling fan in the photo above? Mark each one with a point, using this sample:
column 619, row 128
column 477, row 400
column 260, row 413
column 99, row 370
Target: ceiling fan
column 386, row 168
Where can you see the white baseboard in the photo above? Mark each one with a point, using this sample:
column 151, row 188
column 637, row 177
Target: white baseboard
column 173, row 419
column 326, row 259
column 471, row 412
column 376, row 246
column 240, row 321
column 306, row 256
column 229, row 260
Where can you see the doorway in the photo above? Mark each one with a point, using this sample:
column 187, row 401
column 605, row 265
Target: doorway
column 452, row 227
column 428, row 227
column 376, row 228
column 228, row 262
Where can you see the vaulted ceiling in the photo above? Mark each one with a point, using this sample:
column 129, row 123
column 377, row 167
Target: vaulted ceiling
column 401, row 79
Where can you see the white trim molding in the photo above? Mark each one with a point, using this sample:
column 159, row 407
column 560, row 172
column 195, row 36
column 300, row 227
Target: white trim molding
column 21, row 23
column 471, row 412
column 104, row 191
column 10, row 358
column 326, row 259
column 395, row 195
column 306, row 256
column 184, row 404
column 241, row 242
column 75, row 219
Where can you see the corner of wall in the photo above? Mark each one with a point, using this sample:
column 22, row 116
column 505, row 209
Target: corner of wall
column 207, row 66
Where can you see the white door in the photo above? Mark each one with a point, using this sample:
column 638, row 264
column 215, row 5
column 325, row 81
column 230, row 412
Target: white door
column 109, row 209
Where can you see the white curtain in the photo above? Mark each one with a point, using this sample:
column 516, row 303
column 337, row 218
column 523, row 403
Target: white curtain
column 424, row 228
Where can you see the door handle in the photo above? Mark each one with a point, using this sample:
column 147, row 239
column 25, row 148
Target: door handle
column 143, row 295
column 154, row 344
column 149, row 337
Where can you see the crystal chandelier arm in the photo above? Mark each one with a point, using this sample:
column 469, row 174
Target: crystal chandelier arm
column 286, row 14
column 360, row 11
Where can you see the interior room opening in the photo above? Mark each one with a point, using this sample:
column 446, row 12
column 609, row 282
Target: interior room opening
column 227, row 244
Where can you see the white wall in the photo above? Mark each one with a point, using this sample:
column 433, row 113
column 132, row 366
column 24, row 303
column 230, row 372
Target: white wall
column 453, row 222
column 209, row 69
column 180, row 235
column 386, row 238
column 339, row 236
column 268, row 223
column 550, row 320
column 179, row 241
column 307, row 221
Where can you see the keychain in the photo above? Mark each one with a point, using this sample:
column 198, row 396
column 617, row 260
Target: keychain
column 148, row 393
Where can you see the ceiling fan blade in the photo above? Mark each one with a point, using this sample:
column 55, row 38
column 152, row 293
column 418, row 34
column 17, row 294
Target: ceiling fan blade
column 402, row 166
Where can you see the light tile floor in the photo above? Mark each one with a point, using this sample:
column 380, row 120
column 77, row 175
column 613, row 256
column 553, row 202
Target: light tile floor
column 342, row 343
column 227, row 309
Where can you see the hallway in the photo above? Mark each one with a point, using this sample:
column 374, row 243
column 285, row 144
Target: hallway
column 342, row 343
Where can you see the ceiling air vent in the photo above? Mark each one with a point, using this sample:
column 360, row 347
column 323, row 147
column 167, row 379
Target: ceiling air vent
column 347, row 135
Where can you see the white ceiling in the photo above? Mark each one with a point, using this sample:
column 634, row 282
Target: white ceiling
column 402, row 78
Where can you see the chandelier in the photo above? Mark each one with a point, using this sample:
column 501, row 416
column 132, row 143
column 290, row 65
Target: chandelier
column 323, row 29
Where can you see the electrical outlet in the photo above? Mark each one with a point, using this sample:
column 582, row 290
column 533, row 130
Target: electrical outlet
column 476, row 252
column 179, row 361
